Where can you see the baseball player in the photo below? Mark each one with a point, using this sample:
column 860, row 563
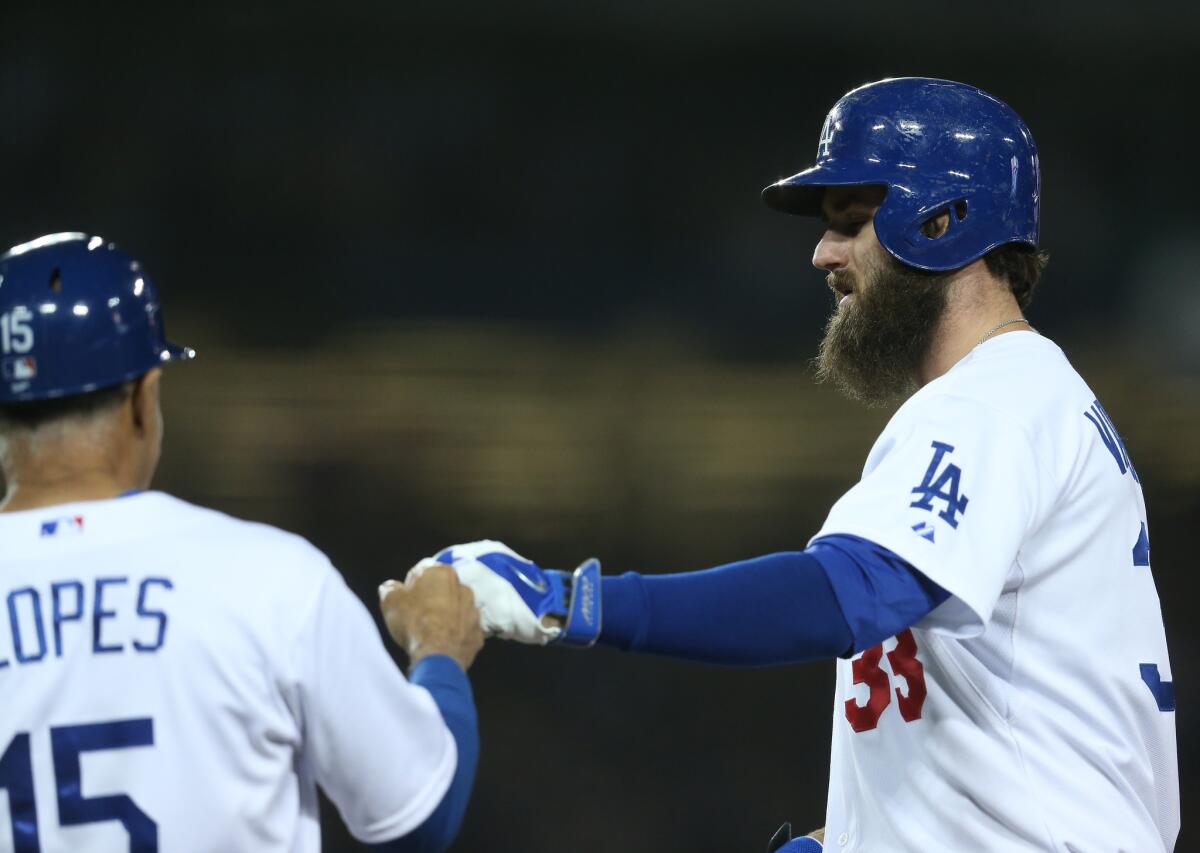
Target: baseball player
column 170, row 677
column 1003, row 681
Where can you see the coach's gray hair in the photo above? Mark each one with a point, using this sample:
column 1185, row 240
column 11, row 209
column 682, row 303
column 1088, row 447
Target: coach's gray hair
column 28, row 417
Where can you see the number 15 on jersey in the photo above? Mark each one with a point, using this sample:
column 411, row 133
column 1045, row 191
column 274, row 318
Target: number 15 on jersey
column 68, row 743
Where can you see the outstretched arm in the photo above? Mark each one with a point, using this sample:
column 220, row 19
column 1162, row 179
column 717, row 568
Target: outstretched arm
column 841, row 595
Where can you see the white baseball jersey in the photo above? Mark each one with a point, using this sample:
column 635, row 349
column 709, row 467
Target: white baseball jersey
column 1033, row 710
column 174, row 679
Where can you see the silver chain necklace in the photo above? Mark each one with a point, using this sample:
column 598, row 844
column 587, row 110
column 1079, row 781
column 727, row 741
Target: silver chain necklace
column 1002, row 325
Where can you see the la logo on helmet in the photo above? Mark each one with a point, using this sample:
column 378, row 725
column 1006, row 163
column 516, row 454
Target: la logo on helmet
column 826, row 140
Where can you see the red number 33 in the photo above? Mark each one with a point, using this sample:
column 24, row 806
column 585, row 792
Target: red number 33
column 866, row 670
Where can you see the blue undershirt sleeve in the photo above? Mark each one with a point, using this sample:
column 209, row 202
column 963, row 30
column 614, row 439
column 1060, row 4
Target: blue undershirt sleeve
column 770, row 610
column 451, row 690
column 840, row 596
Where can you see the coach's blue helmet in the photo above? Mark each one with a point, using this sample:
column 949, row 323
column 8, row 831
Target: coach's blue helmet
column 77, row 314
column 939, row 147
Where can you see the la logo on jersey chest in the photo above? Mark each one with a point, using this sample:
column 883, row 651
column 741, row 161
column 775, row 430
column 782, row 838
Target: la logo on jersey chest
column 942, row 483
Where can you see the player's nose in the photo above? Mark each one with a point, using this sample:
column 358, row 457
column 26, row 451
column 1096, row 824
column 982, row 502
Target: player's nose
column 832, row 252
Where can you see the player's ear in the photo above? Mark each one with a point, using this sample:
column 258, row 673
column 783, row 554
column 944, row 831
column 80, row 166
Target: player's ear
column 144, row 400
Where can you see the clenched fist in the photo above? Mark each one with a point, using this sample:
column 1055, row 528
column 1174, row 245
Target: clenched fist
column 431, row 613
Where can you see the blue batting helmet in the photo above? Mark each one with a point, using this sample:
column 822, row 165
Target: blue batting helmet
column 939, row 147
column 76, row 314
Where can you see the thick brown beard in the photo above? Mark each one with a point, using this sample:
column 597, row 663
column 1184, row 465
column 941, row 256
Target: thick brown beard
column 874, row 345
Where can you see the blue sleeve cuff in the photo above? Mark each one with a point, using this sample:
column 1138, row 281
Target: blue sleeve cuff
column 443, row 673
column 626, row 611
column 447, row 683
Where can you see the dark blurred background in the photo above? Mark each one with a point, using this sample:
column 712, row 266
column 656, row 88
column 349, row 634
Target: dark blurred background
column 470, row 269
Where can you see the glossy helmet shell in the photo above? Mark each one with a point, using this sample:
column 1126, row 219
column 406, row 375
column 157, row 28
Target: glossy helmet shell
column 939, row 147
column 77, row 314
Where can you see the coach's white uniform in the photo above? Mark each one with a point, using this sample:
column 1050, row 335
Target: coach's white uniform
column 1033, row 710
column 169, row 671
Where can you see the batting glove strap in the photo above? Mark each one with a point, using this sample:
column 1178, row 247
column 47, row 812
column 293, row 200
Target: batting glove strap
column 581, row 591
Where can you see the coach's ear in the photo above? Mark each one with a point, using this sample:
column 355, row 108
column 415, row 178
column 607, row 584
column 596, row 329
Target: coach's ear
column 144, row 402
column 145, row 430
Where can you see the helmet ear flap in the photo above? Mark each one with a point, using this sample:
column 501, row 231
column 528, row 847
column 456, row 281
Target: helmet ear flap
column 917, row 234
column 938, row 224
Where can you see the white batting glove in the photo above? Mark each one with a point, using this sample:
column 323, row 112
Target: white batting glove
column 514, row 594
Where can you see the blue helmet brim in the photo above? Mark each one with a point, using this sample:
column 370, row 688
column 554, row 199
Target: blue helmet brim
column 801, row 194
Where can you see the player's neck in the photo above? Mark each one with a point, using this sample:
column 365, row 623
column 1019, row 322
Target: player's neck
column 976, row 305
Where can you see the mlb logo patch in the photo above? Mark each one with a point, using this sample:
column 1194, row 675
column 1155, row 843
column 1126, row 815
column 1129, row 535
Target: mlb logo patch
column 20, row 369
column 63, row 526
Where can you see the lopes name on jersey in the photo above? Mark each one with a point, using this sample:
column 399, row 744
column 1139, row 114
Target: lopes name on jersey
column 172, row 677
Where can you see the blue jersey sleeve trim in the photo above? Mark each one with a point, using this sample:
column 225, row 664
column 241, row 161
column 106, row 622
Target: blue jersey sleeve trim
column 451, row 690
column 878, row 592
